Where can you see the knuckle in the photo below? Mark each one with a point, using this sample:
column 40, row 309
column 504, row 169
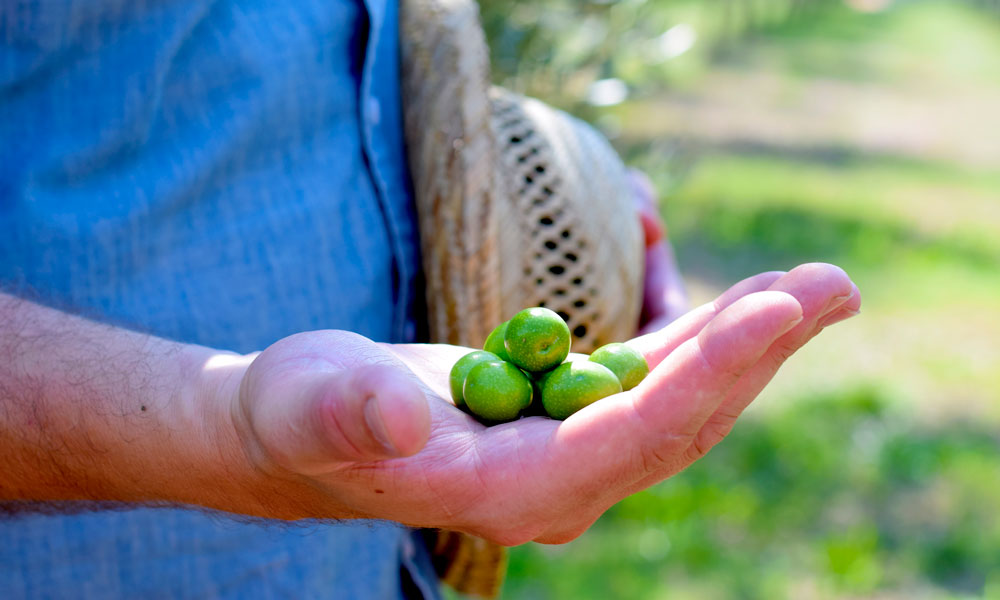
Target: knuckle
column 654, row 459
column 781, row 352
column 707, row 438
column 715, row 431
column 697, row 450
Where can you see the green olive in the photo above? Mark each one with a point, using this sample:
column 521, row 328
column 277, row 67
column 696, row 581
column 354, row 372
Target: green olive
column 460, row 371
column 494, row 342
column 627, row 363
column 572, row 386
column 497, row 391
column 537, row 339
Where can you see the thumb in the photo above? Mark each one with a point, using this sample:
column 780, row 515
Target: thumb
column 374, row 412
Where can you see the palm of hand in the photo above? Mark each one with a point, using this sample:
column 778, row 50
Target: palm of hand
column 534, row 479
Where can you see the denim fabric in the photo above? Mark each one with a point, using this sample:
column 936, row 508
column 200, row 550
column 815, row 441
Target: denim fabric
column 220, row 172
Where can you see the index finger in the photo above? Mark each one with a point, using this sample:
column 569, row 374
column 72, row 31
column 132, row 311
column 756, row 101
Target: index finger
column 657, row 345
column 623, row 438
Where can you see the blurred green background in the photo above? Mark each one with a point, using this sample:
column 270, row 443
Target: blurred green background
column 865, row 133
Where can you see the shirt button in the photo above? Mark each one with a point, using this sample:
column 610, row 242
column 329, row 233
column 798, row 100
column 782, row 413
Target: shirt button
column 374, row 110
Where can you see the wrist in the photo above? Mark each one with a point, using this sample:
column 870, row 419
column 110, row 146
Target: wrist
column 92, row 412
column 222, row 474
column 242, row 478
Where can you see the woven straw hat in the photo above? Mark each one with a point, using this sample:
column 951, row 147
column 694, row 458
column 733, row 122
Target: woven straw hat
column 519, row 205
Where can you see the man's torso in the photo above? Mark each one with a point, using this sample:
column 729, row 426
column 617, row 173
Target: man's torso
column 221, row 173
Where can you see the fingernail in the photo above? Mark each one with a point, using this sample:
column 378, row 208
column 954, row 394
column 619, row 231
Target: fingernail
column 373, row 418
column 839, row 316
column 836, row 303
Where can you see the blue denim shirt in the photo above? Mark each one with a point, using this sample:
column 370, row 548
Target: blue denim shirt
column 222, row 172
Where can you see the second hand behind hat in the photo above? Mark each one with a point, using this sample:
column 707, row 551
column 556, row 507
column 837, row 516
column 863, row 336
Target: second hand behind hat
column 518, row 205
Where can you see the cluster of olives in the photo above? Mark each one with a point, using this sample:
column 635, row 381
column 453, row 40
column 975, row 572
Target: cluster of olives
column 523, row 364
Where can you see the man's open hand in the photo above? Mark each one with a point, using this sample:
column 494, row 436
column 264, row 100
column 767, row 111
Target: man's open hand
column 357, row 429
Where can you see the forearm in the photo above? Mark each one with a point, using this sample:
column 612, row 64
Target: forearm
column 93, row 412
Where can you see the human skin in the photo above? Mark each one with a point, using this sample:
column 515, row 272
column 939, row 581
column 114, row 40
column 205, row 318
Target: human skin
column 328, row 424
column 663, row 295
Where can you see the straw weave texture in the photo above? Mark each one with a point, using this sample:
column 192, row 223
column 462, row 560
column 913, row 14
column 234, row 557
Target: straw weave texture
column 570, row 237
column 518, row 205
column 453, row 162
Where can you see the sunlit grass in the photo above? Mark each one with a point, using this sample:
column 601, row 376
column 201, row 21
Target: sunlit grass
column 930, row 274
column 903, row 47
column 877, row 216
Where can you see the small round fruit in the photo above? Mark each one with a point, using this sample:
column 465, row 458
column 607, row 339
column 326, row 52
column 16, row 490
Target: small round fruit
column 627, row 363
column 575, row 385
column 537, row 339
column 497, row 391
column 494, row 342
column 461, row 370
